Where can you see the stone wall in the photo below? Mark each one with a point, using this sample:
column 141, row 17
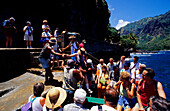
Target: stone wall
column 14, row 61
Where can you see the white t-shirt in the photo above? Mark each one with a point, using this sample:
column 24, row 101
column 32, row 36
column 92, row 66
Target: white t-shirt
column 104, row 108
column 44, row 26
column 68, row 77
column 110, row 67
column 99, row 67
column 55, row 33
column 26, row 32
column 36, row 106
column 121, row 65
column 134, row 66
column 138, row 76
column 46, row 34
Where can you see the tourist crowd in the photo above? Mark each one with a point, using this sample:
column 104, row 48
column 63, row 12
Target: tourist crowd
column 123, row 85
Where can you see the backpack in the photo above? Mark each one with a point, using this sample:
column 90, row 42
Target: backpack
column 28, row 106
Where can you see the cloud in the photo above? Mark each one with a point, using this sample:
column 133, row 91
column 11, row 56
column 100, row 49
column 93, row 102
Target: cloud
column 110, row 8
column 121, row 23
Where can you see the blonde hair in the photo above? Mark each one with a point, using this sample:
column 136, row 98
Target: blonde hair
column 124, row 75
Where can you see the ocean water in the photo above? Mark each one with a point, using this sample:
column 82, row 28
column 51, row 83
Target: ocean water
column 160, row 63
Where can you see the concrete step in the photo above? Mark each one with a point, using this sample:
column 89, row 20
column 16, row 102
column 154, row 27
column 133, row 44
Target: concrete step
column 35, row 53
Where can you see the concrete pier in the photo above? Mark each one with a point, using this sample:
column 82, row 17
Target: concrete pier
column 14, row 61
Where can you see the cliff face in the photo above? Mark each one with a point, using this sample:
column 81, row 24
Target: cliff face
column 88, row 17
column 153, row 32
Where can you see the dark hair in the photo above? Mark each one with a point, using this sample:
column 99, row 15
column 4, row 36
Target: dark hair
column 112, row 96
column 150, row 73
column 136, row 57
column 160, row 104
column 38, row 89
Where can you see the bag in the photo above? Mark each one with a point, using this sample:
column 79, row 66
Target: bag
column 44, row 39
column 28, row 106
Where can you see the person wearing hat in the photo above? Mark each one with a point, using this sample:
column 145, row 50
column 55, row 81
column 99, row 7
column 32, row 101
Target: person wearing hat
column 72, row 76
column 44, row 57
column 28, row 37
column 89, row 74
column 74, row 45
column 54, row 99
column 126, row 68
column 45, row 25
column 9, row 29
column 45, row 37
column 79, row 99
column 55, row 57
column 126, row 90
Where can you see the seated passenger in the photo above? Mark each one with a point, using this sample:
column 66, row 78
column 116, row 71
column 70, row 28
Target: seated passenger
column 79, row 99
column 54, row 99
column 137, row 74
column 159, row 104
column 38, row 102
column 147, row 87
column 126, row 89
column 111, row 98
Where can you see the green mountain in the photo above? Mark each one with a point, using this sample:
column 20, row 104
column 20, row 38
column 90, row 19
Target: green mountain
column 153, row 32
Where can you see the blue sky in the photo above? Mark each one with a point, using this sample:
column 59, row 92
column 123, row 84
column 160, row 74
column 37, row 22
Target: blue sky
column 127, row 11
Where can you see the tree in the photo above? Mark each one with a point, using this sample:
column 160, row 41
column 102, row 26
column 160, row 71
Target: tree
column 129, row 41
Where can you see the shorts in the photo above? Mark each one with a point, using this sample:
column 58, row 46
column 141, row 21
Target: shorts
column 28, row 38
column 52, row 56
column 89, row 77
column 126, row 102
column 44, row 62
column 147, row 108
column 112, row 83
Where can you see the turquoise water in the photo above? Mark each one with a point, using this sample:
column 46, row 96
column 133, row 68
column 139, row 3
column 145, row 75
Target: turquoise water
column 160, row 63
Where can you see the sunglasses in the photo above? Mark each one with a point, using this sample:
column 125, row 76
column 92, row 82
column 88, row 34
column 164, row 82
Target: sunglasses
column 145, row 75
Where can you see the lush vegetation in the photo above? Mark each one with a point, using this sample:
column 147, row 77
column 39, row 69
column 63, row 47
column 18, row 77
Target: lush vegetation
column 153, row 33
column 127, row 41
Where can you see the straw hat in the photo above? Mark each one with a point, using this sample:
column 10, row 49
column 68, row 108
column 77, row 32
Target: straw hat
column 81, row 51
column 72, row 37
column 55, row 97
column 52, row 40
column 44, row 21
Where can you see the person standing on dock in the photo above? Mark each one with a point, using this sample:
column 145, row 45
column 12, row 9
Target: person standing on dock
column 45, row 37
column 28, row 37
column 44, row 57
column 74, row 45
column 45, row 25
column 9, row 29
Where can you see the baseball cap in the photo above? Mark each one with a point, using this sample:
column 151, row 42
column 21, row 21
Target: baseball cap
column 80, row 95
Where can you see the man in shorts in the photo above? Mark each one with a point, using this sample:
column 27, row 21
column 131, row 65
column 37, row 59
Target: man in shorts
column 28, row 37
column 9, row 29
